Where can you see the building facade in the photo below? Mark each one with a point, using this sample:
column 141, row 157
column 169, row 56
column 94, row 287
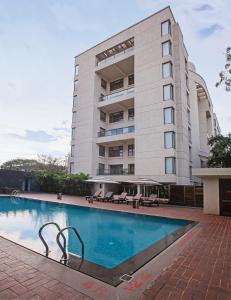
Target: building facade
column 140, row 110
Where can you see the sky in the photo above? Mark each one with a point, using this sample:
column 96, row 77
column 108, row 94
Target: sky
column 38, row 42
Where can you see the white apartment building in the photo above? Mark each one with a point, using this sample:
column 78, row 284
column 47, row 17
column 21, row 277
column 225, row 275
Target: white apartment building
column 140, row 109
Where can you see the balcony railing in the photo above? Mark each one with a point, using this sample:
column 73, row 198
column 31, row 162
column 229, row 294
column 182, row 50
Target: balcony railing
column 99, row 63
column 126, row 92
column 116, row 131
column 115, row 172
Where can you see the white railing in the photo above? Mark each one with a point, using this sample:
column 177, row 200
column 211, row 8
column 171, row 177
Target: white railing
column 126, row 92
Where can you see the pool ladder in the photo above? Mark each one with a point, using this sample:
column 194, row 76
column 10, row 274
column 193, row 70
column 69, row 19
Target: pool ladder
column 64, row 257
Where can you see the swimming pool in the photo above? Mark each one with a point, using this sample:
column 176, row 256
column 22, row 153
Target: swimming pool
column 115, row 242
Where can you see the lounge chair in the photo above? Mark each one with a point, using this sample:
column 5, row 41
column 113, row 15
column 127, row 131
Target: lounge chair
column 137, row 197
column 107, row 197
column 120, row 198
column 94, row 197
column 152, row 199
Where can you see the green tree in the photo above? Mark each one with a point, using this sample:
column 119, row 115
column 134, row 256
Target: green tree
column 43, row 163
column 20, row 164
column 225, row 75
column 220, row 151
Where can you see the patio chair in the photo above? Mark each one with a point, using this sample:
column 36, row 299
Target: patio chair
column 137, row 197
column 120, row 198
column 93, row 197
column 107, row 197
column 152, row 199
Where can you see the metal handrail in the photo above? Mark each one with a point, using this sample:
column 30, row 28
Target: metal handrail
column 43, row 240
column 64, row 248
column 14, row 195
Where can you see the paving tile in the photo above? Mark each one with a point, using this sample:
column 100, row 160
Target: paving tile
column 7, row 294
column 201, row 269
column 18, row 289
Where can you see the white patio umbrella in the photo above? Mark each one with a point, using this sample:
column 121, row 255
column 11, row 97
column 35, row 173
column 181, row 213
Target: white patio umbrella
column 103, row 181
column 144, row 181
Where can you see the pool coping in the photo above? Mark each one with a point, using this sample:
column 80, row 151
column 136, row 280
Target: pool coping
column 131, row 265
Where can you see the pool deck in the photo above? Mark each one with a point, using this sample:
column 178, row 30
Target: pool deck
column 196, row 266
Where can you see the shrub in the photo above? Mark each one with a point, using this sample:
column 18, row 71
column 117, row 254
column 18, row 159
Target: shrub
column 71, row 184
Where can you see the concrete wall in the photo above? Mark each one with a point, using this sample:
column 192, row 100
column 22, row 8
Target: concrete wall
column 210, row 178
column 211, row 195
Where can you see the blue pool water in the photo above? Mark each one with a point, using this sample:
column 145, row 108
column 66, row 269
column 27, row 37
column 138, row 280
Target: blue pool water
column 110, row 237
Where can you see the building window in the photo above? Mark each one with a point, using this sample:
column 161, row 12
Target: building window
column 190, row 153
column 190, row 173
column 74, row 101
column 102, row 116
column 131, row 79
column 166, row 48
column 186, row 64
column 74, row 117
column 167, row 70
column 188, row 100
column 187, row 84
column 116, row 151
column 169, row 115
column 101, row 150
column 189, row 117
column 116, row 117
column 131, row 114
column 131, row 169
column 71, row 167
column 116, row 84
column 131, row 150
column 169, row 139
column 103, row 83
column 72, row 150
column 102, row 131
column 101, row 169
column 73, row 133
column 189, row 135
column 76, row 83
column 168, row 92
column 76, row 70
column 170, row 165
column 116, row 169
column 166, row 28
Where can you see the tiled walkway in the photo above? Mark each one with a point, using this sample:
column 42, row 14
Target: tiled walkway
column 203, row 268
column 199, row 268
column 19, row 280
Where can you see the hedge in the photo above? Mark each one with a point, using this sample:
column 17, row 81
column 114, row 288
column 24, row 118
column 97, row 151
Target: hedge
column 71, row 184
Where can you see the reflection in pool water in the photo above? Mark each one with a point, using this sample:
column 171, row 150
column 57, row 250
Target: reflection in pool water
column 110, row 237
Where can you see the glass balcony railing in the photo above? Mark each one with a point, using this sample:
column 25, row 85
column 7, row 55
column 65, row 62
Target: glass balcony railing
column 101, row 62
column 126, row 92
column 116, row 131
column 115, row 172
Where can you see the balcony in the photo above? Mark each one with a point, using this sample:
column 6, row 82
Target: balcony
column 116, row 135
column 116, row 131
column 115, row 172
column 115, row 51
column 129, row 92
column 113, row 57
column 125, row 97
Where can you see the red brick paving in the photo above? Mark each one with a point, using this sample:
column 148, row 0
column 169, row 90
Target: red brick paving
column 201, row 270
column 21, row 281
